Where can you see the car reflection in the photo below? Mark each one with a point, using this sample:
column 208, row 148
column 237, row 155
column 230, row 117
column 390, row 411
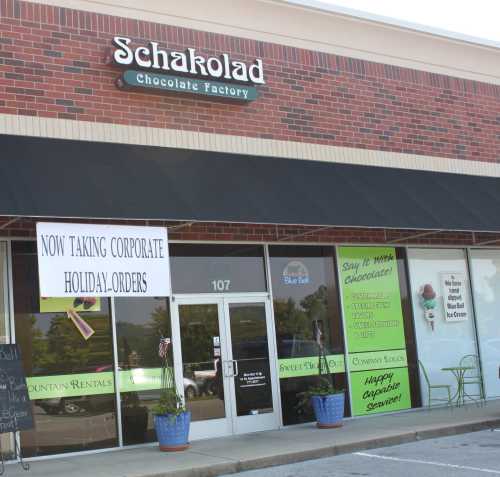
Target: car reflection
column 200, row 379
column 200, row 384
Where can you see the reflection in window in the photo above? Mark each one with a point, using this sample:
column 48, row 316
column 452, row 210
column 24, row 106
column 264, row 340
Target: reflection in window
column 485, row 272
column 5, row 439
column 70, row 379
column 198, row 268
column 304, row 291
column 201, row 358
column 4, row 325
column 140, row 322
column 251, row 353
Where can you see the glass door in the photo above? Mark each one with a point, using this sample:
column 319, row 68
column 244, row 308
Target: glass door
column 251, row 374
column 204, row 353
column 228, row 380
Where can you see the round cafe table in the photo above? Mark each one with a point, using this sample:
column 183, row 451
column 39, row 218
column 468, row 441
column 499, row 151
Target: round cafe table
column 459, row 373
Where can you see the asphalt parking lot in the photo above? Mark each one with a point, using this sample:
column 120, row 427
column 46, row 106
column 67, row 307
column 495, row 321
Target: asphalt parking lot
column 473, row 455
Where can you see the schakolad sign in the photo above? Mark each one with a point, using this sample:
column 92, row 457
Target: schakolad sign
column 371, row 302
column 86, row 260
column 186, row 71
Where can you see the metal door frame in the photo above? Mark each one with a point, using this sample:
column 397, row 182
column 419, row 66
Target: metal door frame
column 231, row 424
column 267, row 421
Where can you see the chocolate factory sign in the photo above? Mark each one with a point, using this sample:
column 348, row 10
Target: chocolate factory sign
column 186, row 71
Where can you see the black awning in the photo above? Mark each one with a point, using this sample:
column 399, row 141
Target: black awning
column 60, row 178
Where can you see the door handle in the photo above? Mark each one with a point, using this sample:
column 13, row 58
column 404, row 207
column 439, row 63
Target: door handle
column 235, row 367
column 231, row 368
column 228, row 369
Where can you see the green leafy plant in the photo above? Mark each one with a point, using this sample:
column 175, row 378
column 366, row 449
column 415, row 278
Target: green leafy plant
column 170, row 402
column 323, row 390
column 325, row 385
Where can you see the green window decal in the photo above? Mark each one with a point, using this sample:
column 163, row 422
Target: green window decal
column 371, row 300
column 89, row 384
column 308, row 366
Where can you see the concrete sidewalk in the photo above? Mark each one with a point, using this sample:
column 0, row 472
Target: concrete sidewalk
column 251, row 451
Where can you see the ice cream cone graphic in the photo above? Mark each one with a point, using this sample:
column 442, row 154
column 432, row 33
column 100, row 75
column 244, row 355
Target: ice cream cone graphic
column 428, row 302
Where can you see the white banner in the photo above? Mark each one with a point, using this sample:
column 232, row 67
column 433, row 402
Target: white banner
column 80, row 260
column 454, row 296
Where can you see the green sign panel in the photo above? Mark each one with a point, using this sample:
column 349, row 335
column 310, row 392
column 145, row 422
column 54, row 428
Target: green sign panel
column 371, row 298
column 179, row 84
column 308, row 366
column 380, row 391
column 377, row 360
column 140, row 379
column 70, row 385
column 88, row 384
column 374, row 325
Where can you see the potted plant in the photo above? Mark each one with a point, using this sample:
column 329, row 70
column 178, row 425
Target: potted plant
column 171, row 419
column 327, row 401
column 328, row 404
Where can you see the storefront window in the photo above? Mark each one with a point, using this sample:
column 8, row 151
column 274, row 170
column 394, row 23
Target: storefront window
column 5, row 439
column 70, row 378
column 442, row 310
column 485, row 274
column 379, row 332
column 198, row 268
column 140, row 322
column 304, row 291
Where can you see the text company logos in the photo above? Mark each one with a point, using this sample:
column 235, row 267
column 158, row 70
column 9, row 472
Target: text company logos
column 209, row 76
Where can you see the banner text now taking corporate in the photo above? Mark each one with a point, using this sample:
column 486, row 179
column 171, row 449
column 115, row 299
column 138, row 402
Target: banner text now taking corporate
column 99, row 247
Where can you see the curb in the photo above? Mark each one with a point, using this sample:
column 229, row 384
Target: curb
column 329, row 451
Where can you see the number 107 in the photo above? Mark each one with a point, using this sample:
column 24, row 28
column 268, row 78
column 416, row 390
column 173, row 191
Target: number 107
column 221, row 285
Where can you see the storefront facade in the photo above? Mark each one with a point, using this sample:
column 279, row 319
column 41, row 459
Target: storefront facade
column 304, row 184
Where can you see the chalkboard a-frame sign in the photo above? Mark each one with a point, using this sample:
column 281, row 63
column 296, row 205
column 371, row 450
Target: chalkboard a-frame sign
column 15, row 406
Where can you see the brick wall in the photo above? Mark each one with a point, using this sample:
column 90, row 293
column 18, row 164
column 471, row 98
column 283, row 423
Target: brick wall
column 232, row 232
column 52, row 65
